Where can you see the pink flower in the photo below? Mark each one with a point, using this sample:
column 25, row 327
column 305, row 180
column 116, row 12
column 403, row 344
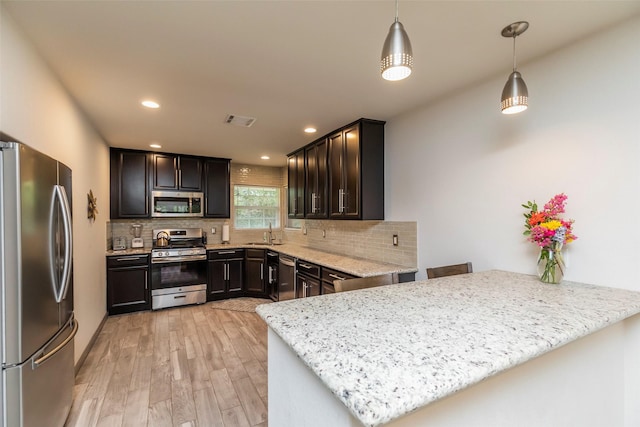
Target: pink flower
column 546, row 226
column 555, row 205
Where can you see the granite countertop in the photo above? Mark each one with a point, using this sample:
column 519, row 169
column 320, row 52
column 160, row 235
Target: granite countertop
column 130, row 251
column 356, row 266
column 387, row 351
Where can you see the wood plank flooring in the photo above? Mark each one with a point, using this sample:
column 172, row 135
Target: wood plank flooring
column 189, row 366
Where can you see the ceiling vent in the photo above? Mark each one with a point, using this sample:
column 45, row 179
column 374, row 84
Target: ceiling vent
column 242, row 121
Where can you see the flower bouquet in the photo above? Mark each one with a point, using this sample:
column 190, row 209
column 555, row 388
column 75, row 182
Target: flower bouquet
column 546, row 229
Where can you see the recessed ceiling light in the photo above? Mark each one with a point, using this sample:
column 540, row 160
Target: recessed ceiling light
column 155, row 145
column 265, row 157
column 150, row 104
column 310, row 130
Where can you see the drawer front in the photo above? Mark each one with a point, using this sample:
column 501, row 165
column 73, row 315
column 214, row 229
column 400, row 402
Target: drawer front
column 127, row 261
column 255, row 253
column 329, row 275
column 308, row 268
column 225, row 254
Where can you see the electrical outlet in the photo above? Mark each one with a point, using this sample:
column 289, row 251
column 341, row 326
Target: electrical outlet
column 213, row 230
column 324, row 233
column 395, row 240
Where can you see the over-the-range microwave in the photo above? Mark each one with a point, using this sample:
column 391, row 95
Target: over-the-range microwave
column 176, row 204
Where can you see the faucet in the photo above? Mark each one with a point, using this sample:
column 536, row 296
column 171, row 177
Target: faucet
column 270, row 235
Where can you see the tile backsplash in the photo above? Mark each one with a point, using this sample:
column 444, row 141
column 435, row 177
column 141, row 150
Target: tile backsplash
column 364, row 239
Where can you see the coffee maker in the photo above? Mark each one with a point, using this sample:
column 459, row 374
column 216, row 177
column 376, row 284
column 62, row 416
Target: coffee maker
column 136, row 230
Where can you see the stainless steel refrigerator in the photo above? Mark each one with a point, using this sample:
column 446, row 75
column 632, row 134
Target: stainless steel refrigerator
column 36, row 309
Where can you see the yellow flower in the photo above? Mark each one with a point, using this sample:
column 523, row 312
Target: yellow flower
column 551, row 225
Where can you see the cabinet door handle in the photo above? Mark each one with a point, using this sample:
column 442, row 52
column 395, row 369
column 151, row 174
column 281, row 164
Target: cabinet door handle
column 340, row 200
column 179, row 177
column 179, row 296
column 313, row 202
column 261, row 271
column 335, row 276
column 226, row 272
column 308, row 267
column 225, row 252
column 130, row 258
column 146, row 281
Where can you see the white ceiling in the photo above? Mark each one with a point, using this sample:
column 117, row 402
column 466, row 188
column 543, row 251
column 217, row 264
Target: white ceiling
column 290, row 64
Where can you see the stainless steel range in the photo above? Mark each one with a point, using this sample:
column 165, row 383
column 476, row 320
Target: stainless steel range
column 178, row 268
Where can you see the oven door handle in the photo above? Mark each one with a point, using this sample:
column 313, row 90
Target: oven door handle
column 166, row 260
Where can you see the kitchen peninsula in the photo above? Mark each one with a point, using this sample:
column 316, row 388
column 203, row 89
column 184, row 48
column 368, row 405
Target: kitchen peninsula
column 491, row 348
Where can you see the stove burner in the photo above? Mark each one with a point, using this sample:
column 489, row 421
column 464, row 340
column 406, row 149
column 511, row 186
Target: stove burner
column 184, row 245
column 181, row 245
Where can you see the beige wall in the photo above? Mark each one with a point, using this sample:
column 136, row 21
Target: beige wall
column 462, row 169
column 37, row 110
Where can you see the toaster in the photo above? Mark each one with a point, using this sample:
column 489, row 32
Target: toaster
column 119, row 243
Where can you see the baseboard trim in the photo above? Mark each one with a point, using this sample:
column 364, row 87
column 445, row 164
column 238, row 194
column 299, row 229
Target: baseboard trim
column 86, row 351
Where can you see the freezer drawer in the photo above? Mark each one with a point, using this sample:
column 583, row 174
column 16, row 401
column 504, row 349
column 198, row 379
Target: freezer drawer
column 41, row 394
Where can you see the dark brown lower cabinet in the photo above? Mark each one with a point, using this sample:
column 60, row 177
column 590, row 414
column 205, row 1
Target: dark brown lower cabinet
column 254, row 267
column 128, row 287
column 328, row 276
column 225, row 274
column 307, row 279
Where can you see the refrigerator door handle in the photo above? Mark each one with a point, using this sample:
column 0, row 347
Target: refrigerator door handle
column 40, row 360
column 61, row 194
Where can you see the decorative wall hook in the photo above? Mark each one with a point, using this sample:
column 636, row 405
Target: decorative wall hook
column 92, row 206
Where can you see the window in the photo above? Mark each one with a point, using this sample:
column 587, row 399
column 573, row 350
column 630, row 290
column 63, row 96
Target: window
column 256, row 207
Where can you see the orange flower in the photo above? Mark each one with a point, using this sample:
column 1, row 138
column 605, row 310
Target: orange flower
column 536, row 218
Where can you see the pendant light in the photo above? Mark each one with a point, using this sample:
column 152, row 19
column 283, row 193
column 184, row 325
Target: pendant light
column 396, row 60
column 515, row 97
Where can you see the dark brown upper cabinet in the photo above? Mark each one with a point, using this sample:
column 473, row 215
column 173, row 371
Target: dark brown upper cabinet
column 317, row 180
column 356, row 171
column 217, row 188
column 175, row 172
column 135, row 173
column 295, row 173
column 129, row 184
column 341, row 175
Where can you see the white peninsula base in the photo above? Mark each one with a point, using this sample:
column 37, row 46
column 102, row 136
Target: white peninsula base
column 593, row 381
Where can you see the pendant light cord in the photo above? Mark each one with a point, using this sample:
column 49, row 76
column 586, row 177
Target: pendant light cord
column 514, row 52
column 397, row 10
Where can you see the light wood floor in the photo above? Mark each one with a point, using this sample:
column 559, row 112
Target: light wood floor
column 192, row 366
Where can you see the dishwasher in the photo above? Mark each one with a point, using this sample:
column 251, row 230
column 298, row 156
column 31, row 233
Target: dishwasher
column 286, row 278
column 272, row 276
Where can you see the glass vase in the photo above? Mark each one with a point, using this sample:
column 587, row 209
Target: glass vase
column 551, row 263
